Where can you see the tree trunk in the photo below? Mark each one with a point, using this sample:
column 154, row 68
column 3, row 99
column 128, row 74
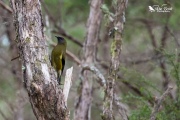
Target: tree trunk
column 16, row 64
column 83, row 105
column 46, row 98
column 115, row 59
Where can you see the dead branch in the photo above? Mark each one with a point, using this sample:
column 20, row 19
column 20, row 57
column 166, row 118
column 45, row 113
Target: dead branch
column 67, row 83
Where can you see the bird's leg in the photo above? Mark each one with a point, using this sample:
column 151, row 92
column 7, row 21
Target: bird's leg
column 59, row 79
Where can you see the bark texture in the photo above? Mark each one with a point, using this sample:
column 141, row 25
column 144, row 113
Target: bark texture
column 18, row 106
column 83, row 105
column 46, row 98
column 115, row 60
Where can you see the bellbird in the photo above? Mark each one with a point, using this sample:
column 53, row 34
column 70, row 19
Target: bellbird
column 58, row 57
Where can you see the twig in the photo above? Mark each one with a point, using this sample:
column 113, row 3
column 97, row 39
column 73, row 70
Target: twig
column 15, row 58
column 172, row 34
column 5, row 7
column 73, row 57
column 162, row 46
column 159, row 102
column 67, row 83
column 143, row 60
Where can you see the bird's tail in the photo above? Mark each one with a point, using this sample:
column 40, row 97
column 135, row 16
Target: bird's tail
column 59, row 78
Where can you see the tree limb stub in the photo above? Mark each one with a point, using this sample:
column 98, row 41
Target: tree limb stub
column 67, row 83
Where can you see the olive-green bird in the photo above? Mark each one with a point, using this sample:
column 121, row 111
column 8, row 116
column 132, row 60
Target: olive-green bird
column 58, row 57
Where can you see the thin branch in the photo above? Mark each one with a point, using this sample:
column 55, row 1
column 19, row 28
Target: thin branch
column 121, row 108
column 60, row 30
column 3, row 115
column 143, row 60
column 172, row 34
column 158, row 49
column 15, row 58
column 137, row 91
column 159, row 102
column 5, row 7
column 73, row 57
column 5, row 99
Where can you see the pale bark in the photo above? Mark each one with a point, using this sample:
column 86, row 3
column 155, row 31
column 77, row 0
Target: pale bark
column 83, row 105
column 46, row 98
column 115, row 61
column 67, row 83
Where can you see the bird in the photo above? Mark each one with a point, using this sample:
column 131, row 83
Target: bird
column 58, row 55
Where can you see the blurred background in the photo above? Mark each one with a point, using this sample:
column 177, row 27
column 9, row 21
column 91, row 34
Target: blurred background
column 150, row 58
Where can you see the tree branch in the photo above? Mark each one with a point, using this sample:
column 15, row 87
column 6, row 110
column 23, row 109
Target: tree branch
column 92, row 68
column 101, row 80
column 60, row 30
column 73, row 57
column 158, row 103
column 83, row 105
column 5, row 7
column 116, row 46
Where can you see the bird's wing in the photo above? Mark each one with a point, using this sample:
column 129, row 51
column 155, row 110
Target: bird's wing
column 52, row 59
column 63, row 63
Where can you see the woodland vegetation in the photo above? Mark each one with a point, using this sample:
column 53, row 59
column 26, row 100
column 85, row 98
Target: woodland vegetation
column 125, row 59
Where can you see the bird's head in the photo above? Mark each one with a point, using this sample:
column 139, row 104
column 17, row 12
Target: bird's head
column 61, row 40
